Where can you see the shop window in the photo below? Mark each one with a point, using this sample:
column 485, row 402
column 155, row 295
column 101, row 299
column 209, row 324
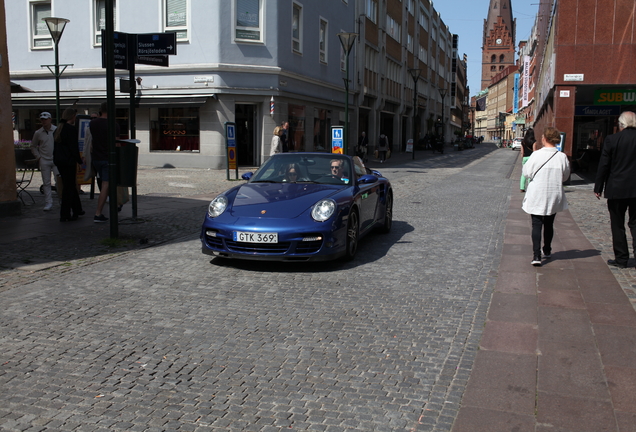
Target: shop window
column 296, row 132
column 99, row 19
column 41, row 38
column 321, row 128
column 174, row 129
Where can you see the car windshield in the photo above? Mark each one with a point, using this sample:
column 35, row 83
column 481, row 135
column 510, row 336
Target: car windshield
column 305, row 168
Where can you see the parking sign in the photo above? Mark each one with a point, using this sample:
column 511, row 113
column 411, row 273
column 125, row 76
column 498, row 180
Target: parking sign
column 337, row 139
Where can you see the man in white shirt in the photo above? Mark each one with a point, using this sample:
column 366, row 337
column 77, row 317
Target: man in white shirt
column 42, row 146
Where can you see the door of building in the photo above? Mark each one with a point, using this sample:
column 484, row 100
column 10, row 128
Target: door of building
column 245, row 118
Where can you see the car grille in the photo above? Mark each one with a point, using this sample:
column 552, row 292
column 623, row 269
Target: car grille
column 269, row 248
column 308, row 247
column 214, row 242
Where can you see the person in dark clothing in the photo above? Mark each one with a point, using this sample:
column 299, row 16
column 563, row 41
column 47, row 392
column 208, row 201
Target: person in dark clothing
column 284, row 138
column 66, row 156
column 615, row 176
column 528, row 145
column 361, row 149
column 99, row 156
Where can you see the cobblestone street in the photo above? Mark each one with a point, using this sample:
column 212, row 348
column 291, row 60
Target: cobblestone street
column 158, row 337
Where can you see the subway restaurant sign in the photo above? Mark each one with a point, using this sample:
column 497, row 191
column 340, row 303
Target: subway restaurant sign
column 614, row 97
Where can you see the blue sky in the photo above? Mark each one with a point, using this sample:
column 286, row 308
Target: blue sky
column 466, row 18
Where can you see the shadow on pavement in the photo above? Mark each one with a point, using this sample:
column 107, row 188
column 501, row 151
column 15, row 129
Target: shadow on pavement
column 371, row 248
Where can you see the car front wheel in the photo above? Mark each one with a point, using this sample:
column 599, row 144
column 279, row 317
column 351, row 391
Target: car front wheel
column 388, row 214
column 353, row 228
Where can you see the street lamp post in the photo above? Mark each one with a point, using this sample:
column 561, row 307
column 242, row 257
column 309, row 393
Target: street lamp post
column 347, row 40
column 443, row 92
column 415, row 74
column 56, row 28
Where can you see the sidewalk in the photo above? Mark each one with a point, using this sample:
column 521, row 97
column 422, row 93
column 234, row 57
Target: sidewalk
column 559, row 349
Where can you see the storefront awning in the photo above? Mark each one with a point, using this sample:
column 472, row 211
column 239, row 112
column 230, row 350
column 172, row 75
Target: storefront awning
column 17, row 88
column 121, row 102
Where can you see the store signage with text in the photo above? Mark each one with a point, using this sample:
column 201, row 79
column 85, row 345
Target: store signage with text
column 614, row 97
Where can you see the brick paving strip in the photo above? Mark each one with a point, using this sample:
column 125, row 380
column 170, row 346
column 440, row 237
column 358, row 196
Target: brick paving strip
column 559, row 348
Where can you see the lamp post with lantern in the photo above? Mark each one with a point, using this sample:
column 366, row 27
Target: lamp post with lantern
column 415, row 74
column 347, row 40
column 443, row 91
column 56, row 28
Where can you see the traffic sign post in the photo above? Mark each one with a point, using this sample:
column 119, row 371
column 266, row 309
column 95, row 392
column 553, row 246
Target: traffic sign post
column 337, row 139
column 230, row 144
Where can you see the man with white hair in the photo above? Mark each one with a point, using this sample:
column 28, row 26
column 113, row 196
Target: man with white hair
column 42, row 148
column 616, row 176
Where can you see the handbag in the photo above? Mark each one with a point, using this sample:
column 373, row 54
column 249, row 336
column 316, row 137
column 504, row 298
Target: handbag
column 388, row 154
column 375, row 154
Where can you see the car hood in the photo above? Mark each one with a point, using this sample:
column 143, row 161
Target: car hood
column 279, row 200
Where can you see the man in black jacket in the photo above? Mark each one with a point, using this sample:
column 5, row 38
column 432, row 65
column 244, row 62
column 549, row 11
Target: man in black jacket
column 617, row 176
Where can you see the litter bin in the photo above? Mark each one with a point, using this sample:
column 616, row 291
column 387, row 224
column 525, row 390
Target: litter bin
column 127, row 157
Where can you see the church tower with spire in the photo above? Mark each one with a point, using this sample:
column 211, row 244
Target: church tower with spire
column 498, row 49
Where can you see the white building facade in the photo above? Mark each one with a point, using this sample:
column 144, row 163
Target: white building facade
column 234, row 57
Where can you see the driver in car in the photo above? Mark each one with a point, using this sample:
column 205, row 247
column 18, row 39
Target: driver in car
column 337, row 169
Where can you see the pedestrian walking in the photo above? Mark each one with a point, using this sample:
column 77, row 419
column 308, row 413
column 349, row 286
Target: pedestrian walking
column 277, row 144
column 616, row 176
column 361, row 149
column 42, row 146
column 66, row 156
column 528, row 145
column 383, row 146
column 284, row 137
column 546, row 170
column 99, row 156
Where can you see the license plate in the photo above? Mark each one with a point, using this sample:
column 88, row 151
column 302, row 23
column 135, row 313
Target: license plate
column 248, row 237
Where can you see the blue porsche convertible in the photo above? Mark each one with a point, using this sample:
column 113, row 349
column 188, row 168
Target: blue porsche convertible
column 299, row 207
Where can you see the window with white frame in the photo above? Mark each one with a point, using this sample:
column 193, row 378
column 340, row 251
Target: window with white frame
column 176, row 18
column 99, row 19
column 41, row 38
column 323, row 40
column 297, row 27
column 249, row 21
column 410, row 6
column 423, row 19
column 423, row 54
column 371, row 10
column 393, row 28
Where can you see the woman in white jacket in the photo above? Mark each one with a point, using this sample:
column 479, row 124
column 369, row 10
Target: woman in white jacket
column 277, row 144
column 546, row 170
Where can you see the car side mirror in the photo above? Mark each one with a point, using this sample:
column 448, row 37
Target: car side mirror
column 367, row 179
column 247, row 176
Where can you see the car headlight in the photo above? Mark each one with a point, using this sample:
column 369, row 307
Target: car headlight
column 323, row 210
column 217, row 206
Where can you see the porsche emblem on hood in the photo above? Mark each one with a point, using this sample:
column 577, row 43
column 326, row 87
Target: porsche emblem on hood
column 263, row 211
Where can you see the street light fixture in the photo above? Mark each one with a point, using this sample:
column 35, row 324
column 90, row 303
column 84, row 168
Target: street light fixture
column 415, row 74
column 443, row 92
column 347, row 40
column 56, row 28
